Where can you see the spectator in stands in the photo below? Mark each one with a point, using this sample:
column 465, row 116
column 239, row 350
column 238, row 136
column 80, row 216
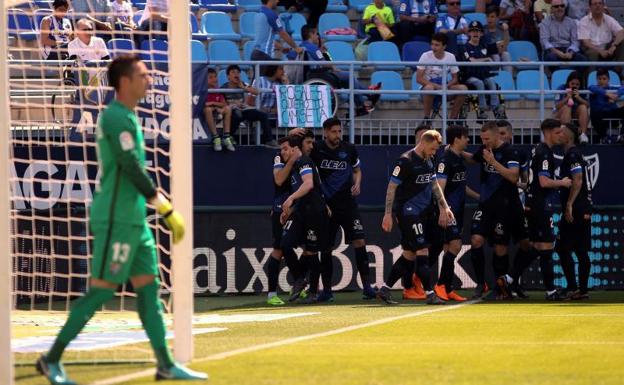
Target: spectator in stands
column 416, row 18
column 454, row 25
column 240, row 110
column 378, row 21
column 601, row 35
column 571, row 104
column 214, row 106
column 430, row 77
column 316, row 8
column 97, row 11
column 577, row 9
column 155, row 17
column 541, row 9
column 86, row 47
column 481, row 78
column 339, row 79
column 520, row 17
column 268, row 101
column 122, row 16
column 267, row 24
column 56, row 32
column 559, row 36
column 497, row 34
column 603, row 104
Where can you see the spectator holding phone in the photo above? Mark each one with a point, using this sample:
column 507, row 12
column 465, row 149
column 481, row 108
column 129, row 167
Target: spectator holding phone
column 572, row 105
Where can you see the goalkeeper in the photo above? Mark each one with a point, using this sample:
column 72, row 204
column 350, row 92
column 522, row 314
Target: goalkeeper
column 123, row 244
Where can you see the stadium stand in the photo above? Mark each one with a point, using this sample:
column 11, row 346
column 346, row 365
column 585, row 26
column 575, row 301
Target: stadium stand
column 198, row 52
column 329, row 21
column 384, row 51
column 250, row 5
column 341, row 51
column 120, row 46
column 217, row 5
column 195, row 31
column 222, row 78
column 413, row 50
column 529, row 80
column 218, row 26
column 336, row 6
column 614, row 79
column 246, row 25
column 559, row 77
column 390, row 80
column 154, row 50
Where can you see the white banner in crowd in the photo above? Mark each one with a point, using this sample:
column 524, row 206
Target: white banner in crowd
column 302, row 106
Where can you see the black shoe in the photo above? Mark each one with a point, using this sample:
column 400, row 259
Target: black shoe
column 384, row 295
column 480, row 290
column 297, row 288
column 555, row 297
column 503, row 288
column 517, row 289
column 579, row 295
column 433, row 299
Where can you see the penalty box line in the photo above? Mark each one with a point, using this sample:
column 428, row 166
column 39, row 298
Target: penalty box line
column 287, row 341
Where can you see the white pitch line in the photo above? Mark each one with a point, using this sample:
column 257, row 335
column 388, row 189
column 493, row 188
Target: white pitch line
column 288, row 341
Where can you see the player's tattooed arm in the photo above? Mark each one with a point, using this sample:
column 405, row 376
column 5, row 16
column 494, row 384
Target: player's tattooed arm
column 386, row 223
column 446, row 215
column 438, row 194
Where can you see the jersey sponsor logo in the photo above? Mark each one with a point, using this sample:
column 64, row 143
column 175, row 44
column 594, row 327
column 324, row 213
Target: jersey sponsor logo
column 126, row 141
column 396, row 171
column 424, row 178
column 592, row 169
column 334, row 164
column 460, row 176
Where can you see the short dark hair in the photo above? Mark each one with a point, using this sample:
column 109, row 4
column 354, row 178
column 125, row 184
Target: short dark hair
column 308, row 134
column 231, row 68
column 502, row 123
column 455, row 132
column 285, row 139
column 422, row 127
column 602, row 71
column 441, row 37
column 211, row 71
column 490, row 125
column 122, row 65
column 574, row 75
column 331, row 122
column 295, row 141
column 550, row 124
column 492, row 9
column 270, row 70
column 60, row 3
column 306, row 31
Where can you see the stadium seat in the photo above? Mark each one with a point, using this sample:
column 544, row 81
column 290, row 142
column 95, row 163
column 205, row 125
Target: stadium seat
column 529, row 80
column 154, row 50
column 195, row 32
column 292, row 23
column 246, row 25
column 250, row 5
column 520, row 49
column 359, row 5
column 414, row 49
column 198, row 52
column 559, row 77
column 222, row 78
column 415, row 85
column 342, row 51
column 614, row 79
column 334, row 20
column 505, row 81
column 248, row 48
column 476, row 16
column 137, row 17
column 20, row 25
column 384, row 51
column 224, row 50
column 390, row 80
column 217, row 5
column 218, row 26
column 336, row 6
column 38, row 15
column 139, row 4
column 120, row 46
column 42, row 4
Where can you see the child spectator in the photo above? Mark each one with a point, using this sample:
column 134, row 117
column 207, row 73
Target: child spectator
column 573, row 105
column 497, row 33
column 56, row 32
column 216, row 104
column 603, row 104
column 378, row 20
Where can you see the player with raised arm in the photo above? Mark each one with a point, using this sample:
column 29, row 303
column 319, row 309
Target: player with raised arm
column 123, row 244
column 575, row 225
column 412, row 183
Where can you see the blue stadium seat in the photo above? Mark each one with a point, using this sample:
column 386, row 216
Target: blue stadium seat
column 529, row 80
column 246, row 25
column 614, row 79
column 38, row 15
column 218, row 26
column 42, row 4
column 414, row 49
column 154, row 50
column 341, row 51
column 292, row 23
column 336, row 6
column 195, row 32
column 250, row 5
column 559, row 77
column 120, row 46
column 384, row 51
column 523, row 49
column 139, row 4
column 248, row 48
column 359, row 5
column 334, row 20
column 198, row 52
column 505, row 81
column 224, row 50
column 217, row 5
column 415, row 85
column 390, row 80
column 476, row 16
column 137, row 17
column 222, row 77
column 20, row 25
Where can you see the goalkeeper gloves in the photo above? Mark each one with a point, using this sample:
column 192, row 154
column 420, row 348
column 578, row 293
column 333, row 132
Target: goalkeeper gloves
column 173, row 219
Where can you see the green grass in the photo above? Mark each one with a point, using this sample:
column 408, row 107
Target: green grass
column 520, row 342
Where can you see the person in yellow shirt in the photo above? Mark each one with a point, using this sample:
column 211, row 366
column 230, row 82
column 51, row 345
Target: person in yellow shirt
column 378, row 21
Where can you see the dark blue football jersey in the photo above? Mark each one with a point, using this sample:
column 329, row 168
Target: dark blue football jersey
column 414, row 175
column 336, row 169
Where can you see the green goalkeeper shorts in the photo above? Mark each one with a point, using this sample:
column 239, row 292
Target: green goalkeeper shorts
column 122, row 251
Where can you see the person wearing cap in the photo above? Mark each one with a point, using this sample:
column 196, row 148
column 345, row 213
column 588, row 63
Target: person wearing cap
column 453, row 25
column 559, row 37
column 481, row 77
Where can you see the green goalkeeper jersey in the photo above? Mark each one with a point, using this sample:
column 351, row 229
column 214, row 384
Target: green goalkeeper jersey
column 124, row 183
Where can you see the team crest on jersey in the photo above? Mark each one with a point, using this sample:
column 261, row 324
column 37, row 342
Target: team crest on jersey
column 277, row 159
column 311, row 236
column 342, row 154
column 440, row 168
column 397, row 171
column 545, row 164
column 499, row 229
column 357, row 225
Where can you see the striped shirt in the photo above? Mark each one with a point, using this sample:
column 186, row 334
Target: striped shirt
column 268, row 100
column 267, row 24
column 417, row 8
column 448, row 22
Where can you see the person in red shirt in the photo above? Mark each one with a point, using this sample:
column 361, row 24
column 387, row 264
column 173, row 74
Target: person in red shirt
column 214, row 106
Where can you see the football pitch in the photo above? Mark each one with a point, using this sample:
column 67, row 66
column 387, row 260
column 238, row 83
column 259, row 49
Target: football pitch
column 362, row 342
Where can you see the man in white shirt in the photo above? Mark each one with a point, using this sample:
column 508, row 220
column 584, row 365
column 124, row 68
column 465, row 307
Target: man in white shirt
column 87, row 48
column 430, row 77
column 601, row 35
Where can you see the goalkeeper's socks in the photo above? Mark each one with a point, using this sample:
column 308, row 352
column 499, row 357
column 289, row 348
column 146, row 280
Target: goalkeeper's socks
column 81, row 312
column 150, row 313
column 273, row 272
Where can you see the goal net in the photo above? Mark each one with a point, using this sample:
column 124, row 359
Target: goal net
column 53, row 171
